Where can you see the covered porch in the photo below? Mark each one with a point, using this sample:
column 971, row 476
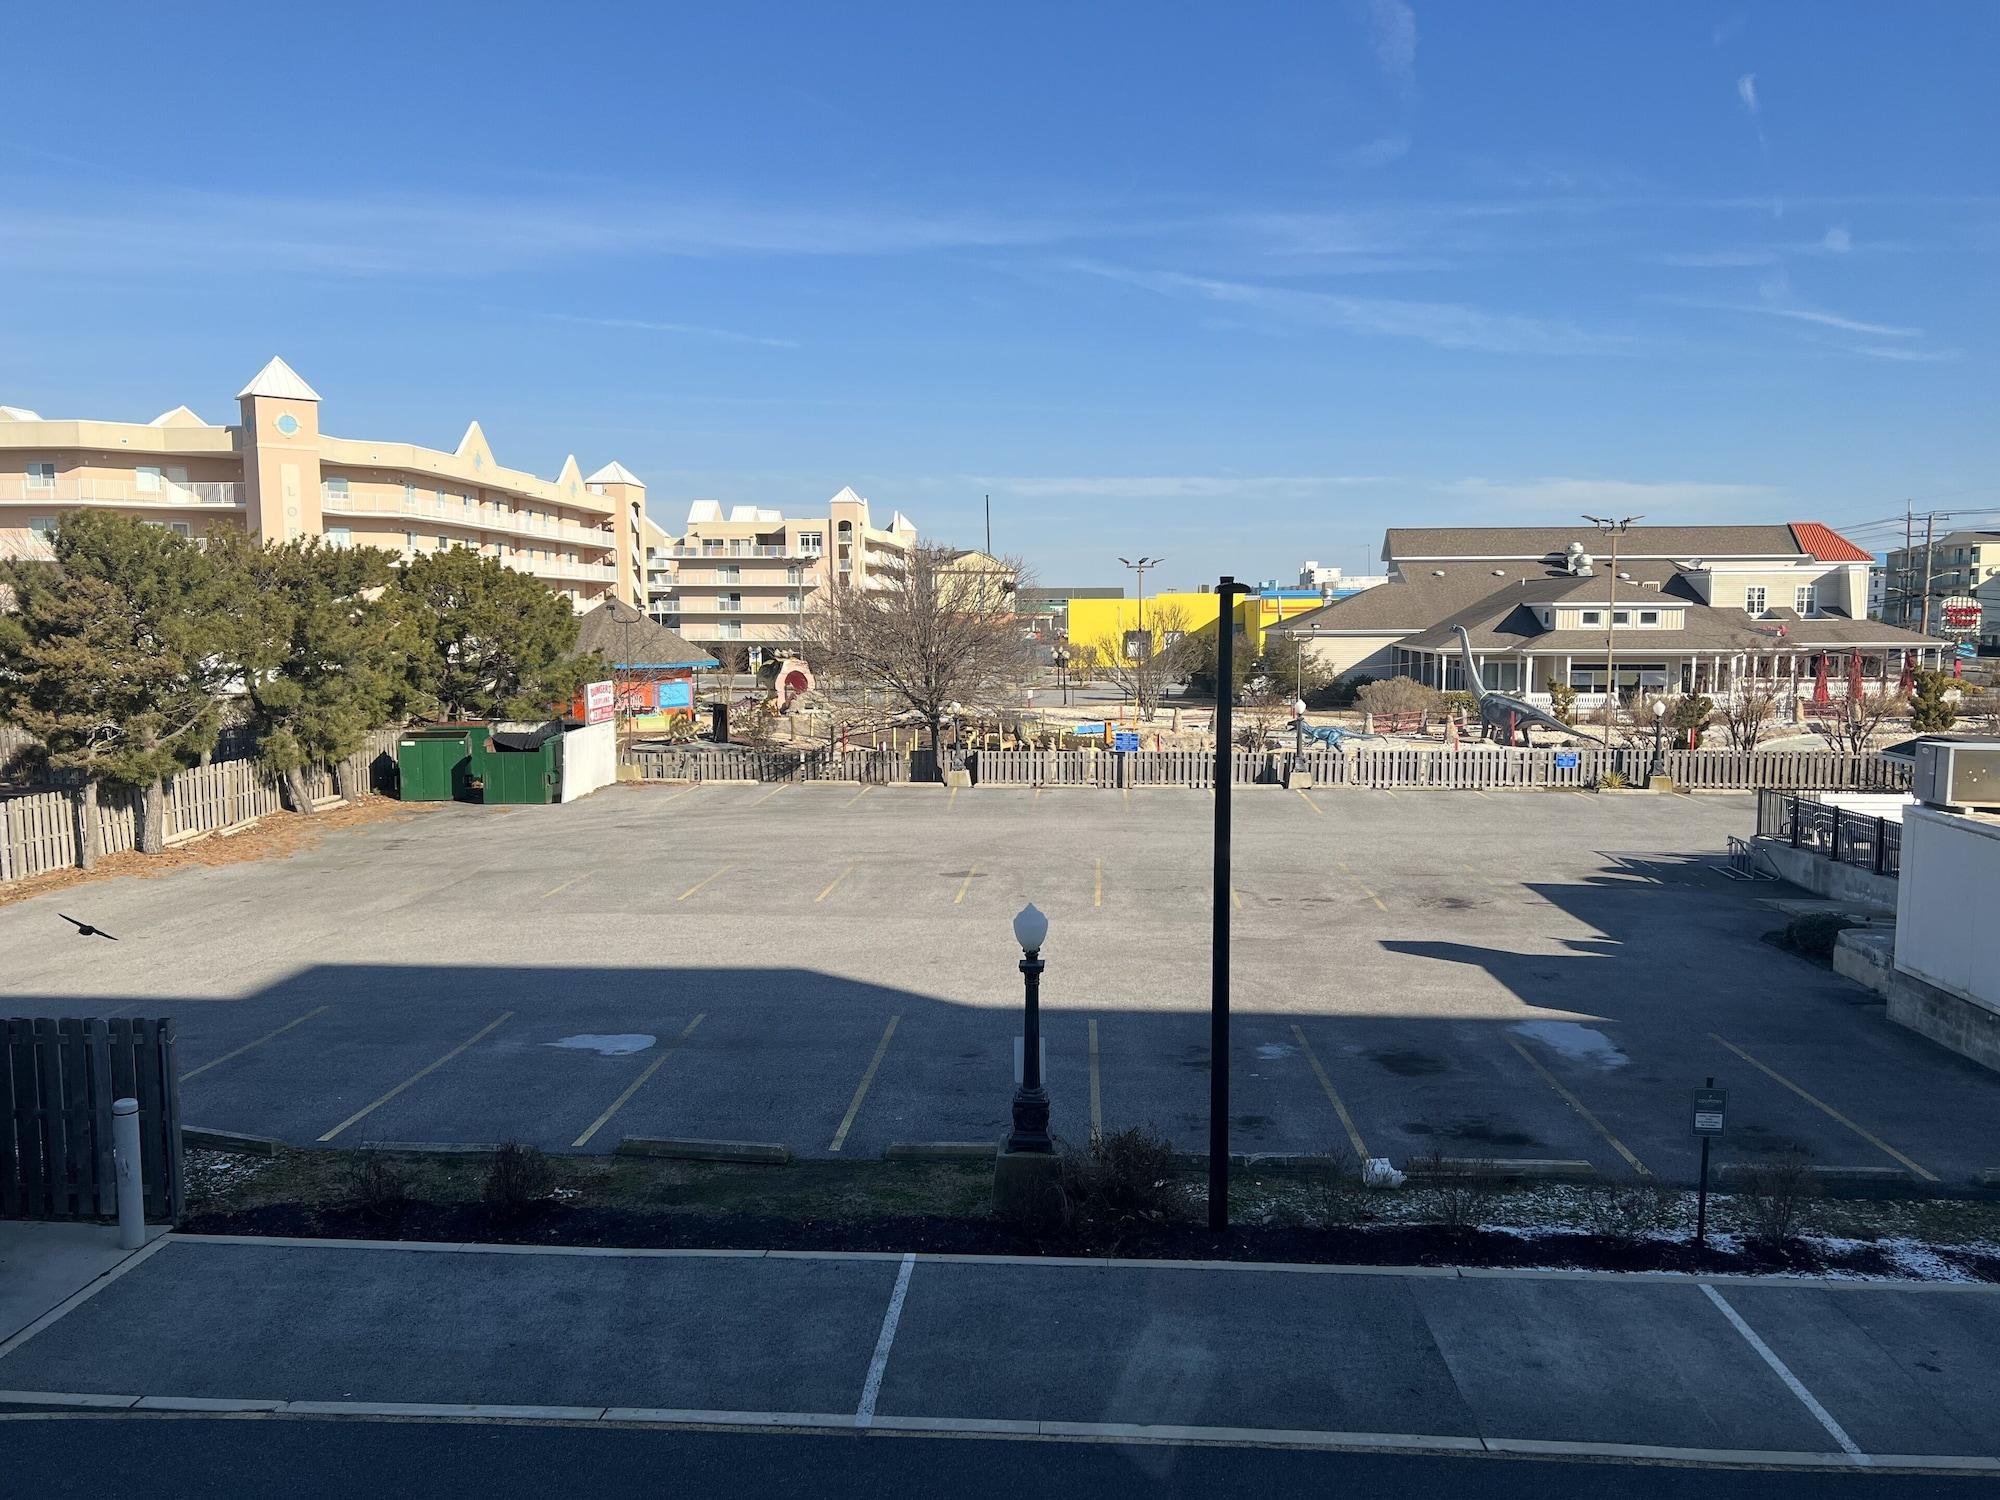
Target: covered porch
column 1783, row 674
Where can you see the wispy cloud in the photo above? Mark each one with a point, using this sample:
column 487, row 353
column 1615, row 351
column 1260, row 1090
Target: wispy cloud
column 1637, row 496
column 1906, row 355
column 1175, row 486
column 1746, row 90
column 1447, row 325
column 1392, row 27
column 647, row 325
column 1798, row 314
column 1837, row 240
column 1718, row 259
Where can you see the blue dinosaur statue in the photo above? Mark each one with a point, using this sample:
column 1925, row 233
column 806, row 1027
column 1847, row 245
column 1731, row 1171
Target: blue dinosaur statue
column 1502, row 711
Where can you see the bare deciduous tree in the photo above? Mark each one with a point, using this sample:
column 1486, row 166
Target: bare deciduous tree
column 1747, row 718
column 932, row 632
column 1144, row 663
column 1850, row 726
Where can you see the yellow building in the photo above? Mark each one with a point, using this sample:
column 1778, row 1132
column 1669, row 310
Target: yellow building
column 277, row 475
column 1105, row 623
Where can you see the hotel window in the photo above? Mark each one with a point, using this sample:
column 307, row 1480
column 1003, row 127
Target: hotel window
column 1591, row 617
column 729, row 575
column 41, row 476
column 812, row 543
column 1649, row 617
column 1621, row 617
column 409, row 541
column 180, row 528
column 795, row 575
column 409, row 493
column 1803, row 598
column 336, row 488
column 147, row 480
column 1753, row 599
column 44, row 525
column 339, row 536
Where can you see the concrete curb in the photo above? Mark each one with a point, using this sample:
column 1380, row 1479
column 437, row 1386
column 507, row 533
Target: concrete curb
column 1737, row 1171
column 761, row 1153
column 431, row 1148
column 941, row 1151
column 229, row 1140
column 1500, row 1170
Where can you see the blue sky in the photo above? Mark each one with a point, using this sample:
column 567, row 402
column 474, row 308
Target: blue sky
column 1234, row 285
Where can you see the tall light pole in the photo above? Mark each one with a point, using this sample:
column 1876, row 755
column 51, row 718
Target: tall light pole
column 1143, row 678
column 1218, row 972
column 1614, row 530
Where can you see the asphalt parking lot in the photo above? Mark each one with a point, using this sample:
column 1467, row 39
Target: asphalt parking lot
column 1513, row 975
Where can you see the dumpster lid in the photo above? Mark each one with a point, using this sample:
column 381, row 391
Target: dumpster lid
column 523, row 736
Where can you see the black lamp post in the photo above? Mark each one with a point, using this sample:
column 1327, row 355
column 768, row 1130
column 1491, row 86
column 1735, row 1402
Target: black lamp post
column 1031, row 1100
column 1659, row 765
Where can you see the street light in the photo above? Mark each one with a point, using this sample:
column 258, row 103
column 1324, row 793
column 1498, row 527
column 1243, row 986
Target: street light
column 1659, row 766
column 1613, row 528
column 1031, row 1100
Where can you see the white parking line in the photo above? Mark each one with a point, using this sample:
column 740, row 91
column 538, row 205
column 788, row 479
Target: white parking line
column 1792, row 1382
column 864, row 1411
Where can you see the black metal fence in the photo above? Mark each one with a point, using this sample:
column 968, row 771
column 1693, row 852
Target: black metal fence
column 1854, row 838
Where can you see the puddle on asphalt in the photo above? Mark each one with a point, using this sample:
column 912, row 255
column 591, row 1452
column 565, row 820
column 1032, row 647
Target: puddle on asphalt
column 1577, row 1043
column 620, row 1044
column 1272, row 1051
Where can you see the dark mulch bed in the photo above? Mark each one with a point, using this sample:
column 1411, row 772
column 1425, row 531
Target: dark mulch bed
column 1411, row 1245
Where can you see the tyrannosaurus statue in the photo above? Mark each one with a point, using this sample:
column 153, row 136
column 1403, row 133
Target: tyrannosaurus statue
column 1502, row 711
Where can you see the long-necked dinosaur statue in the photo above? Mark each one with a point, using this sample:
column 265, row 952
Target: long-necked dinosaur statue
column 1503, row 712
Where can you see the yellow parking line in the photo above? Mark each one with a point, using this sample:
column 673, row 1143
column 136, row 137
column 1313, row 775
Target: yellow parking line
column 1874, row 1140
column 1096, row 1090
column 948, row 801
column 835, row 882
column 1126, row 793
column 633, row 1088
column 1389, row 793
column 1578, row 1105
column 1332, row 1097
column 682, row 793
column 857, row 796
column 770, row 794
column 704, row 881
column 217, row 1062
column 1359, row 886
column 369, row 1109
column 964, row 886
column 1097, row 891
column 1235, row 899
column 854, row 1107
column 557, row 890
column 1310, row 803
column 1038, row 795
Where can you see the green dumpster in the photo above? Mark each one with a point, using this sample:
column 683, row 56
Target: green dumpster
column 521, row 763
column 435, row 765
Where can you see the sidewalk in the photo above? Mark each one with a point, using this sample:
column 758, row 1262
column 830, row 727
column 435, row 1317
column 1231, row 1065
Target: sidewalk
column 42, row 1264
column 1726, row 1370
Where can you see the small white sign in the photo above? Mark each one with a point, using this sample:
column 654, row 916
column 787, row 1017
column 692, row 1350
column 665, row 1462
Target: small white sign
column 1020, row 1058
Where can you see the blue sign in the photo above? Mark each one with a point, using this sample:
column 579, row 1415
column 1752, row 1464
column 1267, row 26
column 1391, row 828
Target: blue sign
column 675, row 694
column 1125, row 739
column 1096, row 728
column 1567, row 760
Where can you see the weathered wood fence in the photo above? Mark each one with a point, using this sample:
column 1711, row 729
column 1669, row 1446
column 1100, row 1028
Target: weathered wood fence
column 1481, row 768
column 58, row 1079
column 38, row 832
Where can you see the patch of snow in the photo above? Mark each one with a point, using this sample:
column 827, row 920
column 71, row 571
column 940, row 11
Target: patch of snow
column 619, row 1044
column 1577, row 1043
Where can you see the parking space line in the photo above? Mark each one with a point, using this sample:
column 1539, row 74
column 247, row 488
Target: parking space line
column 368, row 1109
column 964, row 886
column 1096, row 1090
column 782, row 786
column 871, row 1387
column 1779, row 1368
column 557, row 890
column 860, row 1093
column 1578, row 1105
column 684, row 792
column 267, row 1036
column 1125, row 793
column 1305, row 798
column 633, row 1087
column 1874, row 1140
column 1362, row 888
column 1235, row 900
column 1097, row 891
column 951, row 800
column 858, row 796
column 704, row 881
column 1390, row 793
column 832, row 884
column 1346, row 1120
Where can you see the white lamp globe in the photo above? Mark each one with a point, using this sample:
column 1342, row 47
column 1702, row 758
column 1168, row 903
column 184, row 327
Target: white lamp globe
column 1031, row 928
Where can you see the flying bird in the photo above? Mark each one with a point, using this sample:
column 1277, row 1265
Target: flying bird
column 84, row 929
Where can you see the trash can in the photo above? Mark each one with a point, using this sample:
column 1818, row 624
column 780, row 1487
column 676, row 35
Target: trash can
column 521, row 764
column 718, row 723
column 434, row 765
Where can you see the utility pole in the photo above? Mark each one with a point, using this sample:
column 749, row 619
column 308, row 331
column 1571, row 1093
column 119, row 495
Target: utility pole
column 1614, row 530
column 989, row 525
column 1924, row 619
column 1909, row 546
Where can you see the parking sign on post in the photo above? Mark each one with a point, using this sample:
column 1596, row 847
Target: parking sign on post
column 1125, row 739
column 1709, row 1106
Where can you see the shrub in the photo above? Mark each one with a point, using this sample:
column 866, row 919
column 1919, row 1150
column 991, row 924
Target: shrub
column 1339, row 693
column 1689, row 716
column 1334, row 1192
column 1611, row 780
column 518, row 1182
column 1397, row 695
column 1124, row 1181
column 1460, row 701
column 1814, row 933
column 378, row 1187
column 1931, row 708
column 1458, row 1191
column 1775, row 1196
column 1629, row 1208
column 1562, row 699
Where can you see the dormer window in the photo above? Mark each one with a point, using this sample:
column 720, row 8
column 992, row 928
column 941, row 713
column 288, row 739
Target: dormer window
column 1753, row 599
column 1649, row 617
column 1590, row 617
column 1805, row 597
column 1621, row 617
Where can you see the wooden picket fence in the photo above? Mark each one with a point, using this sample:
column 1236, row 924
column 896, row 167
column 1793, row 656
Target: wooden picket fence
column 712, row 763
column 38, row 832
column 58, row 1079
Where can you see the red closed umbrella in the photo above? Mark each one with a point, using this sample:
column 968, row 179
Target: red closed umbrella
column 1855, row 686
column 1821, row 698
column 1907, row 684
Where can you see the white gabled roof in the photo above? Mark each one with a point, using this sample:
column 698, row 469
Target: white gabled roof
column 180, row 416
column 279, row 379
column 615, row 473
column 847, row 494
column 18, row 414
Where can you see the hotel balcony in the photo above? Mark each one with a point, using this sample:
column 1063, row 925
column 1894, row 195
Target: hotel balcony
column 16, row 490
column 338, row 500
column 737, row 549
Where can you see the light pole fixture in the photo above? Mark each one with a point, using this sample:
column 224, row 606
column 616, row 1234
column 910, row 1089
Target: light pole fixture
column 1226, row 591
column 1613, row 529
column 1031, row 1100
column 1659, row 766
column 1143, row 678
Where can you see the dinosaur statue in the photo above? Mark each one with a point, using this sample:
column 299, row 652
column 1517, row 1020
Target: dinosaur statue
column 1502, row 711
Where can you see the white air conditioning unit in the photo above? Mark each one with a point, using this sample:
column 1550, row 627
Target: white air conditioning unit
column 1957, row 773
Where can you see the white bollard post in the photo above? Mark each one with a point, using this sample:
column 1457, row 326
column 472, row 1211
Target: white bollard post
column 131, row 1186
